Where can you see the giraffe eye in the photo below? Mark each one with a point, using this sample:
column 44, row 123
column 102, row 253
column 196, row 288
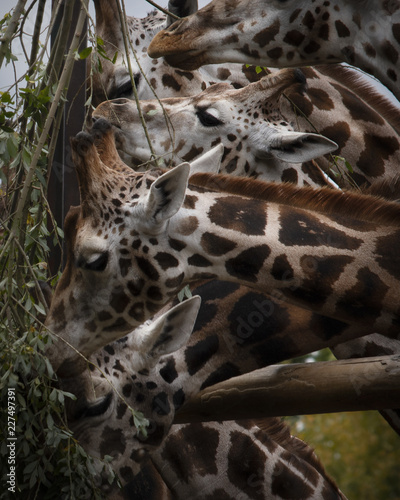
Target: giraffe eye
column 207, row 119
column 98, row 264
column 126, row 89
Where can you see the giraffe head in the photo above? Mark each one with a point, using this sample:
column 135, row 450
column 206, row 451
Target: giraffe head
column 257, row 139
column 288, row 33
column 89, row 297
column 129, row 379
column 110, row 77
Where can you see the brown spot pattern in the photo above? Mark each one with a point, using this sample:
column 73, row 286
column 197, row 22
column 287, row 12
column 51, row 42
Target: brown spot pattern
column 216, row 245
column 299, row 228
column 242, row 215
column 179, row 452
column 247, row 472
column 248, row 263
column 364, row 300
column 267, row 35
column 289, row 485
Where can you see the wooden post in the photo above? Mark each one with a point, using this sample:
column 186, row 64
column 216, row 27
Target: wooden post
column 299, row 389
column 63, row 190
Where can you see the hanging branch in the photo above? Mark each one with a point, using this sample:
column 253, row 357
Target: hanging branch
column 11, row 28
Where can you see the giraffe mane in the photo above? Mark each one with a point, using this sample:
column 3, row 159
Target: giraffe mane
column 279, row 432
column 366, row 207
column 353, row 79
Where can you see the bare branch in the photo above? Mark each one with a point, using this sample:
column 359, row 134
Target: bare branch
column 299, row 389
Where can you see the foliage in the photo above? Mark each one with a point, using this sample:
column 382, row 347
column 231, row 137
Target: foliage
column 359, row 450
column 48, row 461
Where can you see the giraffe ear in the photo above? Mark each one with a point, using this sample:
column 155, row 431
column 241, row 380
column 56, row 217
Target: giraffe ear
column 169, row 332
column 167, row 194
column 209, row 162
column 297, row 147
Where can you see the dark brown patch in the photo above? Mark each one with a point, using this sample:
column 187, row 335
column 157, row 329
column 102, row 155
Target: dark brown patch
column 216, row 245
column 124, row 266
column 267, row 35
column 223, row 73
column 321, row 274
column 190, row 201
column 193, row 153
column 294, row 15
column 312, row 47
column 341, row 29
column 242, row 215
column 294, row 37
column 174, row 282
column 248, row 264
column 288, row 485
column 396, row 32
column 137, row 312
column 198, row 355
column 170, row 81
column 147, row 268
column 339, row 133
column 166, row 260
column 387, row 254
column 198, row 260
column 377, row 150
column 308, row 20
column 323, row 32
column 246, row 463
column 119, row 300
column 390, row 52
column 189, row 443
column 281, row 269
column 369, row 50
column 320, row 99
column 275, row 53
column 357, row 107
column 290, row 175
column 299, row 228
column 365, row 299
column 176, row 244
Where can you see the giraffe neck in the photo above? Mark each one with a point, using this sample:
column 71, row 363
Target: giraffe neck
column 137, row 241
column 321, row 262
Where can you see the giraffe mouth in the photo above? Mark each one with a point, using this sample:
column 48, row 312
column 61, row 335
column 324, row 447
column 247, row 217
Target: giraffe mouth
column 189, row 60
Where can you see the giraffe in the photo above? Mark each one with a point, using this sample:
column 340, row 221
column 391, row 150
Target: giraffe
column 182, row 128
column 137, row 239
column 257, row 139
column 281, row 34
column 336, row 102
column 153, row 370
column 150, row 75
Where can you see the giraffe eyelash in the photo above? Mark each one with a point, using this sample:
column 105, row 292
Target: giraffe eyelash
column 207, row 119
column 98, row 265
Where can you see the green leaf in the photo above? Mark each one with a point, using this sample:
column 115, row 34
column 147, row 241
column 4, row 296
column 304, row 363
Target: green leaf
column 85, row 53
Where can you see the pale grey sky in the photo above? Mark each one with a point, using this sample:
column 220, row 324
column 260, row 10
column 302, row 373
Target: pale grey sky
column 136, row 8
